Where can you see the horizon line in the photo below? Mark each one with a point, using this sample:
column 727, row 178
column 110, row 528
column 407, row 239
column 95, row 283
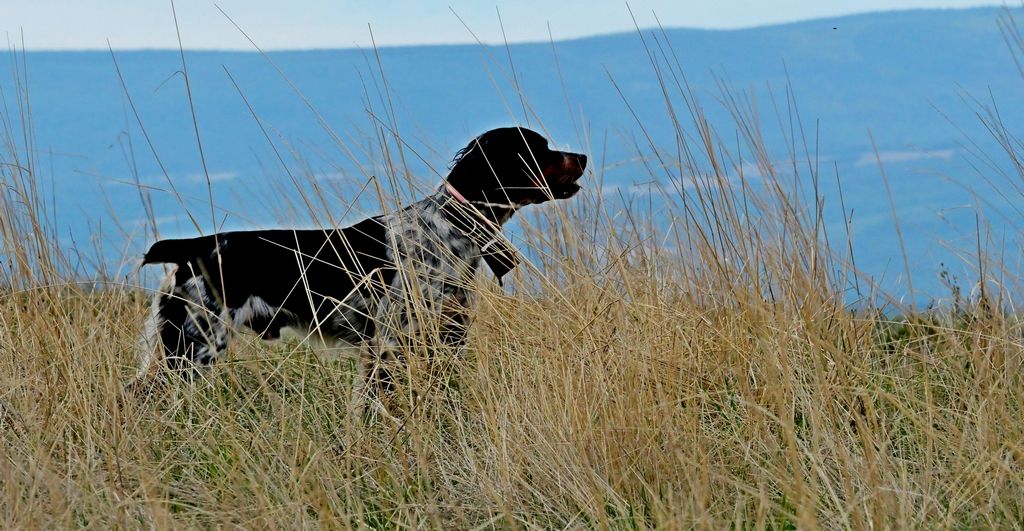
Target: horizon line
column 356, row 47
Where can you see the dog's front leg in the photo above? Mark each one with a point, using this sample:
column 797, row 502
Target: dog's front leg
column 381, row 357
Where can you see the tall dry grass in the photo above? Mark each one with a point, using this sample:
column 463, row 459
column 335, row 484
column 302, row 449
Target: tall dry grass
column 707, row 372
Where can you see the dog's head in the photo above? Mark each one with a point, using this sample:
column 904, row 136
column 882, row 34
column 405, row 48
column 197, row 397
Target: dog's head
column 514, row 165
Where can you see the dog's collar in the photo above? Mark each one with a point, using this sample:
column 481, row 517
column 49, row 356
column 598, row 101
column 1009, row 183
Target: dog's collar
column 462, row 199
column 455, row 193
column 499, row 254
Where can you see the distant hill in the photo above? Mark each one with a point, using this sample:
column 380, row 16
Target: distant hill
column 890, row 73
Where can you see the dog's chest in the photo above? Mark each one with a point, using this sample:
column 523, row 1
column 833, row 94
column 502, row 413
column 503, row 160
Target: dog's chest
column 436, row 264
column 428, row 246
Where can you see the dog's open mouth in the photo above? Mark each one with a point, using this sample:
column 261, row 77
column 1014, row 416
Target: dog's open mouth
column 571, row 171
column 567, row 190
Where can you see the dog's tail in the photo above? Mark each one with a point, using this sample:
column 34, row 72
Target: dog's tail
column 180, row 251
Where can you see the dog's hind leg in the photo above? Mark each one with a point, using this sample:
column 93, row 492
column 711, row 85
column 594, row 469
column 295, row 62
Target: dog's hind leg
column 189, row 323
column 374, row 382
column 149, row 349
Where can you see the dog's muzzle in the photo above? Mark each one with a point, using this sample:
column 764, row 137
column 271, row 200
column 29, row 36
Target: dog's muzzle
column 573, row 165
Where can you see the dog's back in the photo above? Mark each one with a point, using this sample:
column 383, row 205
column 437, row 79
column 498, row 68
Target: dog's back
column 261, row 263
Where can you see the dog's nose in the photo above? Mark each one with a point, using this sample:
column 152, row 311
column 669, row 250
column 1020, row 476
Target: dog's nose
column 582, row 160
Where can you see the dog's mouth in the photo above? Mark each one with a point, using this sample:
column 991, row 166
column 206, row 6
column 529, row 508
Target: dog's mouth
column 565, row 191
column 564, row 185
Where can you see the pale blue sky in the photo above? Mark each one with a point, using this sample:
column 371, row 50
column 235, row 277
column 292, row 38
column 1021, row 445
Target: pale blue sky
column 291, row 24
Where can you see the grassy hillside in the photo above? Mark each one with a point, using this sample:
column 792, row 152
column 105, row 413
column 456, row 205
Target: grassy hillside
column 717, row 361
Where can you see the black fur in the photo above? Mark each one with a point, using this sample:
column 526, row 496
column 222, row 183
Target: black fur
column 308, row 267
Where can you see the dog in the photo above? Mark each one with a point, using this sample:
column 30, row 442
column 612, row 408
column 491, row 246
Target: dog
column 381, row 285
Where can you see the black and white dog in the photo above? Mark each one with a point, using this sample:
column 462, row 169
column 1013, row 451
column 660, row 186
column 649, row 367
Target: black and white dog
column 382, row 284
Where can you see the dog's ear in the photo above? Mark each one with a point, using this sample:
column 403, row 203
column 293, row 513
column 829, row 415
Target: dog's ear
column 464, row 152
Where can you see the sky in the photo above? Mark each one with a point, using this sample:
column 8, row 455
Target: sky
column 302, row 24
